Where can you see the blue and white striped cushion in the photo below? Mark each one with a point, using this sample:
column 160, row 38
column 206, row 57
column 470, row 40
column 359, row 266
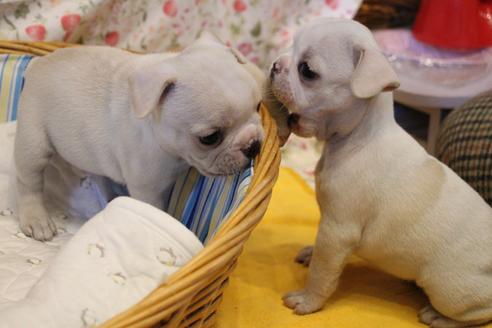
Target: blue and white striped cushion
column 209, row 201
column 201, row 203
column 12, row 68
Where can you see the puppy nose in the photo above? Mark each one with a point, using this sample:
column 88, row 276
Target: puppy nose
column 275, row 70
column 292, row 120
column 252, row 150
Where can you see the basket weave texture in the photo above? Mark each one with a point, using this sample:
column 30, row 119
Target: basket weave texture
column 191, row 296
column 465, row 144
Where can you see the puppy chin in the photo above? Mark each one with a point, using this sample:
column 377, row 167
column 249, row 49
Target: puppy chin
column 233, row 164
column 303, row 128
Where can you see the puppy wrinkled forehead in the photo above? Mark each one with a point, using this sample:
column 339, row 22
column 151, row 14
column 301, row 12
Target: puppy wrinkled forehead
column 223, row 81
column 332, row 29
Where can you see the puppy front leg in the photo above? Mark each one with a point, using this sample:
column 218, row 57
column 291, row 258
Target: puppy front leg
column 34, row 220
column 32, row 154
column 334, row 244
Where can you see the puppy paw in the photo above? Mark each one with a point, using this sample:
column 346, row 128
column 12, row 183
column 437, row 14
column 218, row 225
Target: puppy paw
column 429, row 316
column 39, row 227
column 304, row 255
column 303, row 301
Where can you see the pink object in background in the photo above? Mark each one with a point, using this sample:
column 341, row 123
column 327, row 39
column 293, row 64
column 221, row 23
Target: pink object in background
column 454, row 24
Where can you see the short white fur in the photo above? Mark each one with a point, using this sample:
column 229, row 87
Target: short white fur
column 381, row 195
column 136, row 119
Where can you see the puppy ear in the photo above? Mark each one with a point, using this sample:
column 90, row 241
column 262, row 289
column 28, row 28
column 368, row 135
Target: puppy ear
column 373, row 74
column 149, row 86
column 239, row 56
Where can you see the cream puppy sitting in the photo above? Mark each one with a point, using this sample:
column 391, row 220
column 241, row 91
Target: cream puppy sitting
column 137, row 119
column 381, row 195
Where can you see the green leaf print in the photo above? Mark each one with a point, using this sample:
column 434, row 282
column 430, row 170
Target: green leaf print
column 9, row 22
column 21, row 11
column 256, row 30
column 235, row 29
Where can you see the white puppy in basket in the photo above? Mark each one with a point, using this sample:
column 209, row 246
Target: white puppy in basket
column 381, row 195
column 137, row 119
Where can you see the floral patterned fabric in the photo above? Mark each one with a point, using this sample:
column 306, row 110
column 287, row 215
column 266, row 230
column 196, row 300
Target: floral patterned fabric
column 260, row 29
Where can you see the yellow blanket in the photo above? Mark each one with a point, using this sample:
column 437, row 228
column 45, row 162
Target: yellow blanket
column 266, row 270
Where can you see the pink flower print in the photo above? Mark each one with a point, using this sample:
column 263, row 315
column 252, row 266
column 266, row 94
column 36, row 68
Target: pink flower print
column 275, row 13
column 111, row 38
column 67, row 36
column 239, row 6
column 36, row 32
column 170, row 9
column 245, row 48
column 69, row 22
column 333, row 4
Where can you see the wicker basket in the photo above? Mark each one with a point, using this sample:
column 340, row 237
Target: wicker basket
column 191, row 296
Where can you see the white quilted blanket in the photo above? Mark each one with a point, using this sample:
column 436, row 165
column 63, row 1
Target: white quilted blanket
column 112, row 262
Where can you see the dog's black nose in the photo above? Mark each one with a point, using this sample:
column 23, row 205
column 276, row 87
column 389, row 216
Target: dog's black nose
column 252, row 150
column 292, row 120
column 275, row 70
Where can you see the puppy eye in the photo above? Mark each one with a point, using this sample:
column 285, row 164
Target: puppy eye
column 212, row 139
column 306, row 72
column 258, row 107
